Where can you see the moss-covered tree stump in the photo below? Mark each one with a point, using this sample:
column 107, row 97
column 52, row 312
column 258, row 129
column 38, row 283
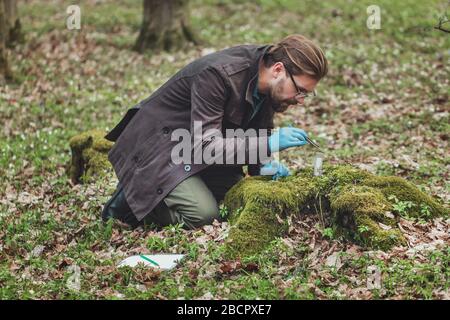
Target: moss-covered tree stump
column 361, row 206
column 89, row 156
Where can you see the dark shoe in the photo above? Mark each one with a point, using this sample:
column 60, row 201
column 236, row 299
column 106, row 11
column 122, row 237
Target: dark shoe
column 118, row 208
column 106, row 213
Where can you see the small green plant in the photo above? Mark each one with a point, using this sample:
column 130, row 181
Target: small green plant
column 156, row 244
column 223, row 211
column 425, row 211
column 328, row 233
column 402, row 207
column 383, row 168
column 362, row 229
column 107, row 230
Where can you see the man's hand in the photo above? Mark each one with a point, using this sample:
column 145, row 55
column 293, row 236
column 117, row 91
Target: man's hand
column 276, row 169
column 287, row 137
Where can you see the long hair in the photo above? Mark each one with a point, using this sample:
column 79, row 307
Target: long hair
column 299, row 55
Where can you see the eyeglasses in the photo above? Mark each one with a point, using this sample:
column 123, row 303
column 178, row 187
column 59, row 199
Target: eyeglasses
column 301, row 93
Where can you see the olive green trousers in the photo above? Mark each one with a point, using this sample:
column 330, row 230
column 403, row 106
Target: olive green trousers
column 193, row 203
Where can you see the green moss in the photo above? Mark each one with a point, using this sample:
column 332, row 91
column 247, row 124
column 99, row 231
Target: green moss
column 359, row 204
column 256, row 227
column 257, row 204
column 406, row 191
column 364, row 214
column 89, row 155
column 370, row 234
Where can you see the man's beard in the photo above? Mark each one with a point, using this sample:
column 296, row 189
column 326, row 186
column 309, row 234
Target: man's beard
column 280, row 105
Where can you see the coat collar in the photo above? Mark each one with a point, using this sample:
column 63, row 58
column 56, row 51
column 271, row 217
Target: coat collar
column 237, row 115
column 252, row 83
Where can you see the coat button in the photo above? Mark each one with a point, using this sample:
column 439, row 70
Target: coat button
column 166, row 130
column 187, row 168
column 135, row 158
column 159, row 190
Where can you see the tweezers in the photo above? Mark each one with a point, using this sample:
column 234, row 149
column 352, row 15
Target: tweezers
column 313, row 143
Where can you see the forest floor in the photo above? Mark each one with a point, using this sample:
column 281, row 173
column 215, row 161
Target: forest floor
column 384, row 107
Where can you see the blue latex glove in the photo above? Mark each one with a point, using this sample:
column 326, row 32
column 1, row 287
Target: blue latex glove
column 287, row 137
column 275, row 169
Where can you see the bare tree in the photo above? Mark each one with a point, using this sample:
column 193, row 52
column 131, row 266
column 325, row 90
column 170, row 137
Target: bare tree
column 165, row 25
column 10, row 33
column 13, row 22
column 5, row 72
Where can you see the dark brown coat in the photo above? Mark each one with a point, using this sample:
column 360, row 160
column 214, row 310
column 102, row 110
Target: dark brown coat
column 215, row 89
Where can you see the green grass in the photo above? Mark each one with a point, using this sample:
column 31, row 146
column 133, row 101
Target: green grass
column 70, row 81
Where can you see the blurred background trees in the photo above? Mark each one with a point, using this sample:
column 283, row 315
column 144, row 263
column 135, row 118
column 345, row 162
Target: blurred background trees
column 165, row 26
column 10, row 33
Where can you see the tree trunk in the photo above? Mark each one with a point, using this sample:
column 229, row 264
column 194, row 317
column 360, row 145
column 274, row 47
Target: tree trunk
column 12, row 22
column 5, row 72
column 165, row 26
